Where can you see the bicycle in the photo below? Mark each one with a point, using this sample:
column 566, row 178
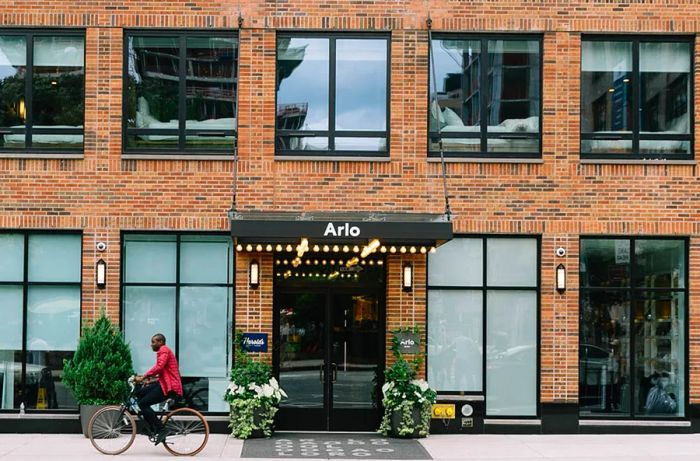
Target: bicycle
column 112, row 430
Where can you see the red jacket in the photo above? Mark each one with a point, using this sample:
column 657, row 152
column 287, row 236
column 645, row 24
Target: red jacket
column 167, row 371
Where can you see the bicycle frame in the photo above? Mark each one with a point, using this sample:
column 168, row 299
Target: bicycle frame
column 126, row 407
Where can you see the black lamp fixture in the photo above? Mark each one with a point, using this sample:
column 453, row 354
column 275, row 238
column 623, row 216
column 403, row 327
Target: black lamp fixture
column 407, row 279
column 101, row 274
column 254, row 274
column 561, row 278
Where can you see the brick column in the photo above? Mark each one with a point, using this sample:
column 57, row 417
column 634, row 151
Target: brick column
column 253, row 306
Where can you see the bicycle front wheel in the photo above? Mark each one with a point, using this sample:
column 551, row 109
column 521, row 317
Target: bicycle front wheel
column 187, row 432
column 112, row 430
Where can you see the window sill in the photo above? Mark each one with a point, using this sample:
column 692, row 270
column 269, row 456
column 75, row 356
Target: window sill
column 171, row 156
column 331, row 158
column 486, row 160
column 592, row 161
column 43, row 155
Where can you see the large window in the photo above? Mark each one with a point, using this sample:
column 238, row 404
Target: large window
column 332, row 95
column 633, row 327
column 636, row 98
column 488, row 96
column 42, row 86
column 181, row 286
column 40, row 311
column 488, row 286
column 180, row 92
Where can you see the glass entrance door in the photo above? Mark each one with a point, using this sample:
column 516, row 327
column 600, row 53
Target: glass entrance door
column 355, row 361
column 329, row 356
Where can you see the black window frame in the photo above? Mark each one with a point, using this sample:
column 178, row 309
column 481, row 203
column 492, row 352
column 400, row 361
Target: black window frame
column 483, row 135
column 636, row 292
column 636, row 135
column 332, row 133
column 28, row 129
column 181, row 35
column 25, row 284
column 178, row 285
column 485, row 288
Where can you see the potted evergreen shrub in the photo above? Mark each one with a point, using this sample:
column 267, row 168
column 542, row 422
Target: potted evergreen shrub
column 407, row 400
column 98, row 372
column 253, row 395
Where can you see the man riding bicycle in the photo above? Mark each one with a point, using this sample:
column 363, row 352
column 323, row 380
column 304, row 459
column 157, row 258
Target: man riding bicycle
column 167, row 385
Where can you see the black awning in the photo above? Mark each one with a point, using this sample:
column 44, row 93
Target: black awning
column 280, row 227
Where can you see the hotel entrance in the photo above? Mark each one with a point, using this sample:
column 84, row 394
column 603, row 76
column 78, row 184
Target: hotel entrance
column 325, row 288
column 329, row 325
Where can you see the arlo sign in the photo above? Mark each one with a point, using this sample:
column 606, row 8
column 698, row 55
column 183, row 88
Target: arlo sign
column 341, row 230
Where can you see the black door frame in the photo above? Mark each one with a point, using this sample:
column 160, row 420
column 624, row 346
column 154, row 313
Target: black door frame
column 328, row 418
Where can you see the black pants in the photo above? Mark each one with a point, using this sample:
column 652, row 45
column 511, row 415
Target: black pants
column 147, row 396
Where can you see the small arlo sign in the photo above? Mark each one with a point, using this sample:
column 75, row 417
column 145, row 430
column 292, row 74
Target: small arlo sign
column 409, row 343
column 341, row 230
column 254, row 342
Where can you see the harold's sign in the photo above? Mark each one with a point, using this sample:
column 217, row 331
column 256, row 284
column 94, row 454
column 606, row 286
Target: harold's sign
column 341, row 230
column 254, row 342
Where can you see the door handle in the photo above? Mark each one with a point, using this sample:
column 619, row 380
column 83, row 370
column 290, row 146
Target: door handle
column 320, row 374
column 334, row 372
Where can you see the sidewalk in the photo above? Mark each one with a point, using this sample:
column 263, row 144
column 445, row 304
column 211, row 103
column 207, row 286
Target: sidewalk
column 681, row 447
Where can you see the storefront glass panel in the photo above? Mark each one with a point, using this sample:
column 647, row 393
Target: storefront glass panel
column 30, row 372
column 633, row 336
column 509, row 262
column 511, row 353
column 604, row 364
column 180, row 285
column 488, row 286
column 147, row 311
column 455, row 340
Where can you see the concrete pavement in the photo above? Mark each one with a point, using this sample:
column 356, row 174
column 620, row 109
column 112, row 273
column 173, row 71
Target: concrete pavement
column 681, row 447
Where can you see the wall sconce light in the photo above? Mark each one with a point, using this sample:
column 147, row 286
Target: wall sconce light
column 254, row 274
column 561, row 278
column 407, row 280
column 101, row 274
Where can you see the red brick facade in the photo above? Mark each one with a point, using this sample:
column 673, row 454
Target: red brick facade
column 560, row 197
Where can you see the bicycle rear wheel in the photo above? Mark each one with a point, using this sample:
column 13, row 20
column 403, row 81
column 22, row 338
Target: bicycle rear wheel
column 112, row 430
column 187, row 432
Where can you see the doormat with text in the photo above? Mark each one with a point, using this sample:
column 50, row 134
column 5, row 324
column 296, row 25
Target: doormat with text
column 330, row 445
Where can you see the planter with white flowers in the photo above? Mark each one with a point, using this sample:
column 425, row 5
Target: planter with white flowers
column 407, row 400
column 254, row 396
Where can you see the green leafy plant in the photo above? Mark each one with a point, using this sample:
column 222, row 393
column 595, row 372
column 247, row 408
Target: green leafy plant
column 405, row 395
column 253, row 394
column 98, row 372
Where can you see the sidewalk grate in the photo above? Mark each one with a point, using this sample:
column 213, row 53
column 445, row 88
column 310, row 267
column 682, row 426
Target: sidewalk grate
column 333, row 446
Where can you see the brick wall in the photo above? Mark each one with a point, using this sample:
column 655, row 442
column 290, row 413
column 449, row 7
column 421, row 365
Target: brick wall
column 559, row 198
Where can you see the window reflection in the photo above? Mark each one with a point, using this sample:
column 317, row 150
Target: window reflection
column 606, row 86
column 13, row 68
column 511, row 103
column 611, row 86
column 211, row 89
column 156, row 65
column 302, row 83
column 57, row 91
column 360, row 86
column 305, row 105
